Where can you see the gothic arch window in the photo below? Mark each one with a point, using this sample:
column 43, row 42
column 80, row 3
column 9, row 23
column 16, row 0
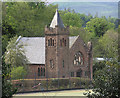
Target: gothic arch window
column 38, row 71
column 79, row 73
column 78, row 59
column 50, row 41
column 65, row 42
column 62, row 42
column 63, row 63
column 53, row 42
column 41, row 72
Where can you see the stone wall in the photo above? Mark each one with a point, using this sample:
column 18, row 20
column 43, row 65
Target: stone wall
column 33, row 71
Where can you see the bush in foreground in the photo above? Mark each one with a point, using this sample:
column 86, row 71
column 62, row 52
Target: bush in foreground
column 106, row 83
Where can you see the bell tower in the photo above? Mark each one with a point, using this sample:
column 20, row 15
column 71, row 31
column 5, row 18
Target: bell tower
column 56, row 48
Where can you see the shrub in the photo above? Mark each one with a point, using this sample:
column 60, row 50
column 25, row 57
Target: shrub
column 18, row 72
column 106, row 83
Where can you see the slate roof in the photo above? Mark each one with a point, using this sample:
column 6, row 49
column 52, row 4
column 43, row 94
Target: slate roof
column 35, row 48
column 57, row 21
column 72, row 40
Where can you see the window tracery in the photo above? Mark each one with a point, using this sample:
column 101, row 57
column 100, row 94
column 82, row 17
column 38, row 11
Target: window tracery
column 78, row 59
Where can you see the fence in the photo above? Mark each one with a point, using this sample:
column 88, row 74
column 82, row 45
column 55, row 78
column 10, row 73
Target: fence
column 27, row 84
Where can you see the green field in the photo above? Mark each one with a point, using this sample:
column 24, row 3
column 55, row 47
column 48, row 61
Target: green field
column 55, row 93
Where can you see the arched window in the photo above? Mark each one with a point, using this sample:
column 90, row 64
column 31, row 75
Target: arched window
column 65, row 42
column 78, row 58
column 63, row 63
column 53, row 42
column 41, row 72
column 79, row 73
column 48, row 42
column 38, row 71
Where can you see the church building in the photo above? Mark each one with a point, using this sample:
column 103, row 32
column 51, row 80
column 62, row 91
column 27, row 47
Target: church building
column 58, row 55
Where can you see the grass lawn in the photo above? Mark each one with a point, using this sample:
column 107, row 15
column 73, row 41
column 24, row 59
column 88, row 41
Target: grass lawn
column 54, row 93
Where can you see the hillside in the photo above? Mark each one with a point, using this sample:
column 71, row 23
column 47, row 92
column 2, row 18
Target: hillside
column 101, row 8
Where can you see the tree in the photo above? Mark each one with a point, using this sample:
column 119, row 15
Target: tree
column 98, row 26
column 106, row 82
column 98, row 66
column 15, row 54
column 71, row 19
column 109, row 45
column 27, row 18
column 7, row 88
column 18, row 72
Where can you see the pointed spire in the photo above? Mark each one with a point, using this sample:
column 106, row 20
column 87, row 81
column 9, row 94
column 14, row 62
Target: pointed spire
column 57, row 21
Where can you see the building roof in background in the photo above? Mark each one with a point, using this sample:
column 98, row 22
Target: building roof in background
column 35, row 48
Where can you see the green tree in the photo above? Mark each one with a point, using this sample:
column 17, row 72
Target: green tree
column 71, row 19
column 28, row 18
column 18, row 72
column 15, row 54
column 106, row 82
column 7, row 88
column 98, row 26
column 109, row 45
column 98, row 66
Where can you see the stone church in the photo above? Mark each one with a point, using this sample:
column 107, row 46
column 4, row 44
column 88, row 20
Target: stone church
column 57, row 55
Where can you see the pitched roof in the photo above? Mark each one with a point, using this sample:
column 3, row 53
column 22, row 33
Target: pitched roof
column 35, row 48
column 57, row 21
column 72, row 40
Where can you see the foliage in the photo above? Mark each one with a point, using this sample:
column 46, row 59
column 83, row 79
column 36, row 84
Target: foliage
column 75, row 31
column 7, row 88
column 98, row 66
column 4, row 43
column 14, row 54
column 29, row 19
column 98, row 26
column 109, row 44
column 106, row 46
column 106, row 82
column 18, row 72
column 72, row 19
column 23, row 17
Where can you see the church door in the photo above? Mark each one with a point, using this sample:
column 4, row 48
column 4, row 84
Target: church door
column 79, row 73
